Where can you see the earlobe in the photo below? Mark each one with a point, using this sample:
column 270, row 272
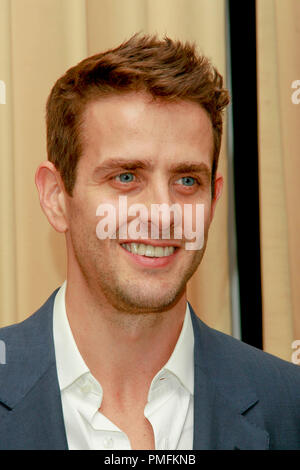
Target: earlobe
column 51, row 194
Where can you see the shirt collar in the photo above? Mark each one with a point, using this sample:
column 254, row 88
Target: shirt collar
column 69, row 362
column 181, row 361
column 71, row 366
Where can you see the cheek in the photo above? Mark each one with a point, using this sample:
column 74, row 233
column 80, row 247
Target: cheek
column 82, row 212
column 196, row 216
column 82, row 227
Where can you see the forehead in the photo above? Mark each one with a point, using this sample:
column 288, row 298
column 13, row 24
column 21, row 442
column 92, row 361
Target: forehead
column 136, row 126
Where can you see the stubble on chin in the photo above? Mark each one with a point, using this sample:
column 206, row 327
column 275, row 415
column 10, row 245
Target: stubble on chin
column 135, row 297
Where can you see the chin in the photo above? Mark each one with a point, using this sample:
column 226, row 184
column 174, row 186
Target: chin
column 140, row 302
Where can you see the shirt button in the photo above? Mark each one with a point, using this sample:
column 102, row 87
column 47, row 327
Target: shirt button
column 108, row 442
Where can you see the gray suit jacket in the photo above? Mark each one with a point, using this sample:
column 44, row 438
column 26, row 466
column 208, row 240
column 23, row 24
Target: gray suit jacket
column 244, row 398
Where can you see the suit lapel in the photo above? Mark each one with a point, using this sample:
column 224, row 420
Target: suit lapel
column 36, row 422
column 31, row 415
column 220, row 404
column 218, row 424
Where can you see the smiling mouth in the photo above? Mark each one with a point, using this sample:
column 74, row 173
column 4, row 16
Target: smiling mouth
column 149, row 251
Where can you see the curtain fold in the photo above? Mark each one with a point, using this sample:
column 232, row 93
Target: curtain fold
column 278, row 35
column 42, row 39
column 8, row 255
column 47, row 37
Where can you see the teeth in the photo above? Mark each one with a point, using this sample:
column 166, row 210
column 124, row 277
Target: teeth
column 168, row 250
column 133, row 248
column 149, row 250
column 141, row 249
column 159, row 251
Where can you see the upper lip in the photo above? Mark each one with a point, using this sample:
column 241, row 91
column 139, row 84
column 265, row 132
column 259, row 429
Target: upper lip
column 162, row 243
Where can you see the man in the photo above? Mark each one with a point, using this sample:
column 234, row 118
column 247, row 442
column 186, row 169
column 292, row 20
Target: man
column 116, row 358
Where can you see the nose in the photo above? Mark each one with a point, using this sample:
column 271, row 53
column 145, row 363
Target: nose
column 162, row 215
column 157, row 192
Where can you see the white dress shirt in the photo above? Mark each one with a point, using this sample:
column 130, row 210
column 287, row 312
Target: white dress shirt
column 170, row 403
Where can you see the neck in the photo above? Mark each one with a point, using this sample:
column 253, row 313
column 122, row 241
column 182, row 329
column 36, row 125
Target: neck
column 135, row 346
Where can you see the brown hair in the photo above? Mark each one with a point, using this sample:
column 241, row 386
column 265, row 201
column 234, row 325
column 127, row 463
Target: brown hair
column 166, row 69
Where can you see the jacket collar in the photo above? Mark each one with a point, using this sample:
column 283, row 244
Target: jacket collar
column 222, row 397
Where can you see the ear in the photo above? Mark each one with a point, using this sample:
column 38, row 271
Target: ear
column 52, row 195
column 217, row 194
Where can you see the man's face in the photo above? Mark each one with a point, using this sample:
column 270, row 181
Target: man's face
column 150, row 153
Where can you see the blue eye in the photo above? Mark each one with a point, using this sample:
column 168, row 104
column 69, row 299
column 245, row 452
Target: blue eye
column 125, row 177
column 187, row 180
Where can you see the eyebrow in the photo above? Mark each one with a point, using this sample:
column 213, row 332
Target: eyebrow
column 135, row 164
column 191, row 168
column 114, row 163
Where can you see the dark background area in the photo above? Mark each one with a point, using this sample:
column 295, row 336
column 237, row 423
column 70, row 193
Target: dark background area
column 242, row 30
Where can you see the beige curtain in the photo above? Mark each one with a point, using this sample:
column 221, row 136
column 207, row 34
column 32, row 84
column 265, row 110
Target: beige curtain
column 278, row 37
column 39, row 40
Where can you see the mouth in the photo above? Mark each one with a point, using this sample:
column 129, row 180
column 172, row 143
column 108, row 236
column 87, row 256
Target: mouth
column 149, row 250
column 147, row 254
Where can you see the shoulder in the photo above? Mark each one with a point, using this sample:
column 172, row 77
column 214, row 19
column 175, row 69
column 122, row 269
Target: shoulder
column 235, row 364
column 258, row 385
column 29, row 353
column 22, row 339
column 242, row 355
